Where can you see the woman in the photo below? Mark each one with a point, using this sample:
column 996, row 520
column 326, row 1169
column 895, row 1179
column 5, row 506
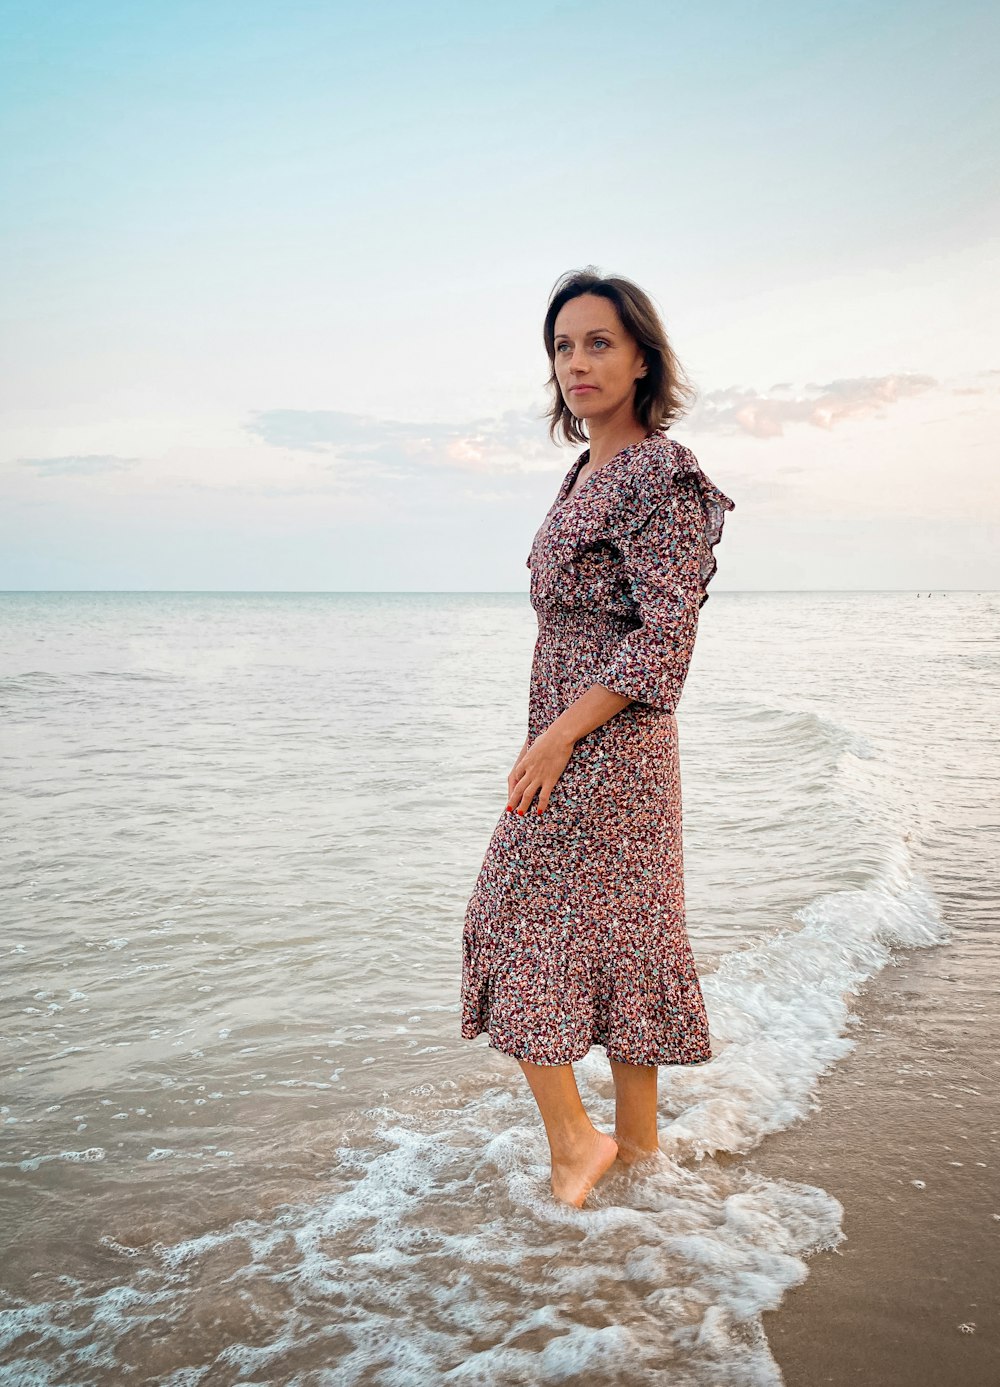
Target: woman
column 575, row 933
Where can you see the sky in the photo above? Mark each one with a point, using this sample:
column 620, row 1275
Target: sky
column 273, row 278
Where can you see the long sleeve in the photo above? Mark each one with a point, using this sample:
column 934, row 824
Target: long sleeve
column 668, row 561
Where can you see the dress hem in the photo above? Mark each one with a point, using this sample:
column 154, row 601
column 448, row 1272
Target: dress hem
column 574, row 1059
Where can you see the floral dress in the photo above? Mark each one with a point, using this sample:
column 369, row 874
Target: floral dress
column 575, row 934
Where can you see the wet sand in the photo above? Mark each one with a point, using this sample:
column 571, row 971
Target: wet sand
column 911, row 1297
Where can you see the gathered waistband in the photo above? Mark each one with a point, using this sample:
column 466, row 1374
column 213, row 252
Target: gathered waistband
column 581, row 619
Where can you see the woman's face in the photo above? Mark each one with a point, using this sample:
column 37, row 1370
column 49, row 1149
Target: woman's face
column 594, row 350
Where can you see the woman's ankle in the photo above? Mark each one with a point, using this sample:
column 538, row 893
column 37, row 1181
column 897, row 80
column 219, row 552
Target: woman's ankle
column 630, row 1150
column 570, row 1146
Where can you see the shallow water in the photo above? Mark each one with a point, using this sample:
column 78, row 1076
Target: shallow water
column 242, row 1140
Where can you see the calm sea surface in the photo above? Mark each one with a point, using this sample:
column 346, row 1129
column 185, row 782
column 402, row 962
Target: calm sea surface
column 242, row 1140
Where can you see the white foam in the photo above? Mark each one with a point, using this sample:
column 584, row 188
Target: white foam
column 778, row 1010
column 91, row 1153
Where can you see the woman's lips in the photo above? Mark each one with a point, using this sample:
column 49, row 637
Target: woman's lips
column 579, row 389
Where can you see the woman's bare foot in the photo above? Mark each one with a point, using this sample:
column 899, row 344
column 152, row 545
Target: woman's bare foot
column 574, row 1177
column 629, row 1152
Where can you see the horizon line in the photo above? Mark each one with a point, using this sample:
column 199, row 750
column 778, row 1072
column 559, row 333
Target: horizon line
column 423, row 592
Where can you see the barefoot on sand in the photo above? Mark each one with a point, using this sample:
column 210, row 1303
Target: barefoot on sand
column 573, row 1180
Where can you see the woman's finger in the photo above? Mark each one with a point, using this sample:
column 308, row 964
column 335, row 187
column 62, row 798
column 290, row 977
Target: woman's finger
column 523, row 795
column 515, row 779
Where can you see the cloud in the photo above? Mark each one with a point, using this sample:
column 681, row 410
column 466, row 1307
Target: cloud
column 476, row 446
column 80, row 465
column 319, row 430
column 766, row 415
column 517, row 440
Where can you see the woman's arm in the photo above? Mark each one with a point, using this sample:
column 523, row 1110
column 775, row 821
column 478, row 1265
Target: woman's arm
column 540, row 765
column 592, row 709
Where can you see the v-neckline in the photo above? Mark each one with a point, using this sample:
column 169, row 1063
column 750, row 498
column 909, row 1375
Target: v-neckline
column 567, row 497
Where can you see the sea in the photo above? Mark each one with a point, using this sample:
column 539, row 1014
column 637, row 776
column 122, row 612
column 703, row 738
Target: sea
column 242, row 1139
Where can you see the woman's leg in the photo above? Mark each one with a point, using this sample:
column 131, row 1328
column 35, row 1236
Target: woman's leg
column 580, row 1153
column 635, row 1110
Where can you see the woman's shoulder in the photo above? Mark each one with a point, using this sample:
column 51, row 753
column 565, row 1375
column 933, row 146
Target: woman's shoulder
column 668, row 492
column 661, row 468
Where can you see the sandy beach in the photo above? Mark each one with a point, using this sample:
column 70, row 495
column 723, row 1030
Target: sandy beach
column 907, row 1139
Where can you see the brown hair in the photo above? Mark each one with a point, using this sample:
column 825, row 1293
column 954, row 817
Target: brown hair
column 662, row 394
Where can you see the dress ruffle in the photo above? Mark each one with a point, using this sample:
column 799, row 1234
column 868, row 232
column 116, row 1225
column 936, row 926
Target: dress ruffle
column 645, row 493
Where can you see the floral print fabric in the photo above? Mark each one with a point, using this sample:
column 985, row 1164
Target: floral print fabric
column 575, row 933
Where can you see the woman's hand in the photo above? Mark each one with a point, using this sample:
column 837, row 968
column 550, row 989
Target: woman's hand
column 537, row 769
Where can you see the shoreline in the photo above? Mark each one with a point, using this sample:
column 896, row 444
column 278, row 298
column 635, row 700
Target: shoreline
column 906, row 1138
